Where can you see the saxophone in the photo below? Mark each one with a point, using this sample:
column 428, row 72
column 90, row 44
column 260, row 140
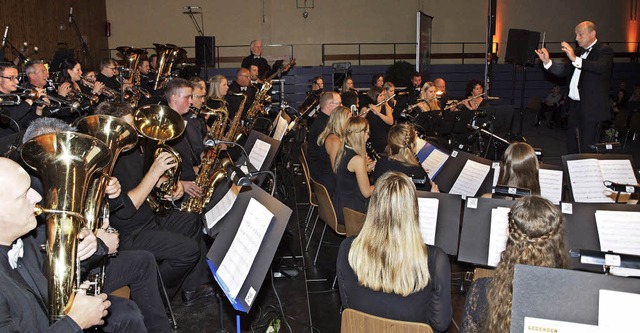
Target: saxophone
column 234, row 127
column 262, row 98
column 208, row 175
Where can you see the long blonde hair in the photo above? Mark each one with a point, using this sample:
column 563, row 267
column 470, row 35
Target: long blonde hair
column 519, row 168
column 389, row 254
column 432, row 104
column 536, row 237
column 354, row 138
column 401, row 142
column 337, row 124
column 214, row 87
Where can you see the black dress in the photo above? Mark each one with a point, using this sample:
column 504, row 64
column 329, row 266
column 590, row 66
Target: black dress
column 431, row 305
column 476, row 307
column 379, row 130
column 414, row 172
column 347, row 193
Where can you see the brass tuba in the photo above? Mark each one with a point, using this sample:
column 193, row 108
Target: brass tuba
column 209, row 174
column 167, row 56
column 132, row 57
column 65, row 162
column 118, row 136
column 158, row 124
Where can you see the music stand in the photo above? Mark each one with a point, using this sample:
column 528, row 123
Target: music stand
column 574, row 157
column 448, row 225
column 274, row 145
column 453, row 167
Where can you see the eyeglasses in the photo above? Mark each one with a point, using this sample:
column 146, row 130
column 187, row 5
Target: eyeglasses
column 11, row 78
column 199, row 96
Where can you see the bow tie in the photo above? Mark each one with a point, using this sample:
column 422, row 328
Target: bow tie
column 582, row 51
column 256, row 57
column 17, row 251
column 243, row 88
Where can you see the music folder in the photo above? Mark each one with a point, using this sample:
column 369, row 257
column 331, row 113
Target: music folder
column 242, row 293
column 465, row 174
column 448, row 220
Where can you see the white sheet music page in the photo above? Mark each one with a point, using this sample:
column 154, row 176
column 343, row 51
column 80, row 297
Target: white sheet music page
column 537, row 325
column 619, row 231
column 551, row 185
column 586, row 181
column 259, row 153
column 238, row 261
column 434, row 162
column 428, row 217
column 220, row 209
column 618, row 311
column 470, row 179
column 281, row 128
column 498, row 234
column 618, row 171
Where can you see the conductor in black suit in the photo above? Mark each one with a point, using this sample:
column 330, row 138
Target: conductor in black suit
column 589, row 76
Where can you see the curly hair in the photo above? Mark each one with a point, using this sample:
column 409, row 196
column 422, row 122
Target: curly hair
column 472, row 84
column 536, row 237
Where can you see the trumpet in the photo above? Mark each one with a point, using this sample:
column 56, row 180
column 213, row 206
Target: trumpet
column 39, row 99
column 108, row 92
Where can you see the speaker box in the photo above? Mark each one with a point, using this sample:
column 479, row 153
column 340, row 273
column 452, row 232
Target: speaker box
column 205, row 51
column 338, row 78
column 521, row 45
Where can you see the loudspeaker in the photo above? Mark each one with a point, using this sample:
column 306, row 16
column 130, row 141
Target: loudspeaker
column 493, row 4
column 521, row 46
column 338, row 79
column 205, row 51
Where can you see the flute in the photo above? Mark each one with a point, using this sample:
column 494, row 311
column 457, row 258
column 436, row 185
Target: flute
column 363, row 114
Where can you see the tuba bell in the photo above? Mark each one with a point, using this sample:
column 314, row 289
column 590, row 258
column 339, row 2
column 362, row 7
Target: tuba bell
column 118, row 136
column 65, row 162
column 167, row 56
column 158, row 124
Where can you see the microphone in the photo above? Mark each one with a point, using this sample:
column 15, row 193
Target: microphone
column 237, row 176
column 354, row 110
column 210, row 142
column 627, row 188
column 4, row 38
column 70, row 14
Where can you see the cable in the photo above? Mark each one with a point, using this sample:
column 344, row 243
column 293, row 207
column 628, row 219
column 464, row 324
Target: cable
column 284, row 318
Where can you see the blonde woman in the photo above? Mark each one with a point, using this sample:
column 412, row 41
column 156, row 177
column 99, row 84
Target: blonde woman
column 352, row 179
column 387, row 270
column 536, row 237
column 429, row 98
column 400, row 156
column 332, row 138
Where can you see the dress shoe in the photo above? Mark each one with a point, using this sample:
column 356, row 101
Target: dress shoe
column 191, row 296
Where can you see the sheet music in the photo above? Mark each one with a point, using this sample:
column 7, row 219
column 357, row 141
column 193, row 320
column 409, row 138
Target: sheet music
column 496, row 173
column 428, row 217
column 537, row 325
column 619, row 231
column 237, row 262
column 470, row 179
column 618, row 311
column 281, row 128
column 586, row 181
column 434, row 162
column 220, row 209
column 618, row 171
column 259, row 153
column 551, row 185
column 498, row 234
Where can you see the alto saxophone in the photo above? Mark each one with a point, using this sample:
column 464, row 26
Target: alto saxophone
column 232, row 134
column 257, row 107
column 209, row 175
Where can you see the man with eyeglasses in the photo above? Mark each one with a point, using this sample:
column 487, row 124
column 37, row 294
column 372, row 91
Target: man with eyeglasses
column 108, row 72
column 22, row 113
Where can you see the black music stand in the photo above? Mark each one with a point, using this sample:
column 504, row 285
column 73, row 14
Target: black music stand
column 559, row 294
column 454, row 165
column 574, row 157
column 448, row 225
column 274, row 145
column 476, row 227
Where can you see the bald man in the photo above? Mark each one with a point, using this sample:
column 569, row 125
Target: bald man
column 255, row 58
column 589, row 76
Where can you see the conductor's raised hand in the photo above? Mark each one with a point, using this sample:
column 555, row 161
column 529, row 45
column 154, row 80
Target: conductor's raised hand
column 568, row 50
column 543, row 54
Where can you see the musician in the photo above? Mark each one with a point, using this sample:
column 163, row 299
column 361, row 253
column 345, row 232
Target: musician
column 242, row 84
column 380, row 118
column 474, row 93
column 313, row 95
column 400, row 156
column 108, row 74
column 218, row 88
column 174, row 239
column 254, row 74
column 429, row 97
column 255, row 58
column 518, row 168
column 349, row 94
column 38, row 76
column 332, row 138
column 377, row 80
column 319, row 162
column 146, row 79
column 415, row 89
column 72, row 90
column 22, row 113
column 441, row 91
column 153, row 62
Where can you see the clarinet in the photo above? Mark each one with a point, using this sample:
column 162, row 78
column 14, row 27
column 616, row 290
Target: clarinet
column 372, row 153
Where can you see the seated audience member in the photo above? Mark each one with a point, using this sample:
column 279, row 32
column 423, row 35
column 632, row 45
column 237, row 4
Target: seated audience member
column 352, row 180
column 400, row 157
column 552, row 104
column 536, row 237
column 332, row 138
column 519, row 168
column 388, row 270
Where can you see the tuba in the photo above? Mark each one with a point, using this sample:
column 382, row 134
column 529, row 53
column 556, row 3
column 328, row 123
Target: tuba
column 65, row 162
column 118, row 136
column 209, row 175
column 158, row 124
column 167, row 56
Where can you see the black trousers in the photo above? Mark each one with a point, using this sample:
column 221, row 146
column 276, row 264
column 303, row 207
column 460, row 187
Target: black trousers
column 137, row 269
column 581, row 132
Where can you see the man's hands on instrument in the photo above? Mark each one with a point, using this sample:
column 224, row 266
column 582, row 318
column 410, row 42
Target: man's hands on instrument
column 111, row 239
column 543, row 54
column 191, row 188
column 113, row 188
column 88, row 245
column 177, row 194
column 163, row 162
column 88, row 311
column 97, row 87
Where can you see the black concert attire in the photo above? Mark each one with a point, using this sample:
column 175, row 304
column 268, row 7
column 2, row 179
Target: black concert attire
column 64, row 112
column 379, row 130
column 347, row 193
column 109, row 82
column 317, row 157
column 24, row 298
column 234, row 101
column 175, row 240
column 263, row 66
column 22, row 113
column 476, row 307
column 592, row 104
column 311, row 101
column 431, row 305
column 416, row 173
column 350, row 98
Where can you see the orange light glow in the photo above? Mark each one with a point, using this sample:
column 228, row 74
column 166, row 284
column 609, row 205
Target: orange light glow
column 498, row 35
column 632, row 36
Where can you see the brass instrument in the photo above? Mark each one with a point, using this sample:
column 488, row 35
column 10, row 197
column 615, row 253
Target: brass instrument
column 158, row 124
column 118, row 136
column 208, row 175
column 10, row 99
column 235, row 132
column 262, row 98
column 38, row 98
column 167, row 56
column 65, row 162
column 110, row 93
column 132, row 57
column 92, row 99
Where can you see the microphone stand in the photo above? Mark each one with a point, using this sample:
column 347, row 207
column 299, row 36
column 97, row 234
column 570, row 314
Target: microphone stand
column 200, row 28
column 20, row 55
column 83, row 43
